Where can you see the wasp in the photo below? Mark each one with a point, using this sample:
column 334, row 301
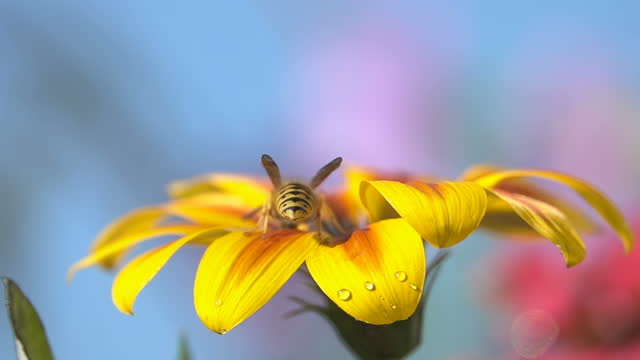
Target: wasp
column 294, row 202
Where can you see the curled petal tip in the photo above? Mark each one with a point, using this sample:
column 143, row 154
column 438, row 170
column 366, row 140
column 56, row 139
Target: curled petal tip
column 127, row 312
column 79, row 265
column 123, row 308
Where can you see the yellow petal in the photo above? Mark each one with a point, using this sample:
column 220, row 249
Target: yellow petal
column 591, row 195
column 137, row 274
column 443, row 214
column 355, row 175
column 377, row 275
column 120, row 247
column 215, row 199
column 241, row 272
column 250, row 191
column 477, row 171
column 211, row 215
column 132, row 222
column 351, row 198
column 500, row 217
column 550, row 223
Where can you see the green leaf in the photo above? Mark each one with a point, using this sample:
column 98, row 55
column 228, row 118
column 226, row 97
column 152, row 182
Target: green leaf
column 31, row 339
column 183, row 348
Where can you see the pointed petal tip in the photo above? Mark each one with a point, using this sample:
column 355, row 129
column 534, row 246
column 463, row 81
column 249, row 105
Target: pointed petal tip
column 77, row 266
column 628, row 238
column 124, row 307
column 571, row 262
column 126, row 311
column 70, row 275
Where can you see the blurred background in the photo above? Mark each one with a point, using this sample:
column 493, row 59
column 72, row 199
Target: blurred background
column 103, row 103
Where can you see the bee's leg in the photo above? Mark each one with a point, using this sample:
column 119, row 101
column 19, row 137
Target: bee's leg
column 263, row 220
column 266, row 213
column 319, row 223
column 265, row 225
column 253, row 212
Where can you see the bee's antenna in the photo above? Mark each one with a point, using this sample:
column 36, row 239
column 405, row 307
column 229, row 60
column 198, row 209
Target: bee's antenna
column 272, row 170
column 324, row 172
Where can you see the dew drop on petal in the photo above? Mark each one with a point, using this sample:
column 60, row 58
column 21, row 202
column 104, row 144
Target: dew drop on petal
column 344, row 294
column 414, row 287
column 218, row 302
column 223, row 331
column 533, row 332
column 401, row 276
column 393, row 306
column 369, row 285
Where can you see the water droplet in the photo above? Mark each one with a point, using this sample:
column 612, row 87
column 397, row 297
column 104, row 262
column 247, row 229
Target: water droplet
column 533, row 332
column 369, row 286
column 344, row 294
column 401, row 276
column 223, row 331
column 414, row 287
column 218, row 302
column 393, row 306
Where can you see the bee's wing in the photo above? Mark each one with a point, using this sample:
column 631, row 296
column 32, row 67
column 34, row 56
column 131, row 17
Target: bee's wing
column 325, row 171
column 272, row 170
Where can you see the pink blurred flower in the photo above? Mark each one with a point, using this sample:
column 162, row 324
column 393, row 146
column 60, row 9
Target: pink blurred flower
column 596, row 305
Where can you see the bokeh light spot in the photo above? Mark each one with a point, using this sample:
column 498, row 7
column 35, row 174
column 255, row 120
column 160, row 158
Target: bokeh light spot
column 533, row 332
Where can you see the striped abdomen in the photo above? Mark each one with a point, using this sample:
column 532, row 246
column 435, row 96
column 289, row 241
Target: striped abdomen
column 295, row 202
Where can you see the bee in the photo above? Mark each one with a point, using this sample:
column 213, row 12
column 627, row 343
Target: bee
column 294, row 202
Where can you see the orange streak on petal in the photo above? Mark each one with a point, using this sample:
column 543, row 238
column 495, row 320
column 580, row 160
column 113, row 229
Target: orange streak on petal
column 550, row 223
column 132, row 222
column 228, row 216
column 240, row 272
column 251, row 191
column 443, row 214
column 140, row 271
column 125, row 243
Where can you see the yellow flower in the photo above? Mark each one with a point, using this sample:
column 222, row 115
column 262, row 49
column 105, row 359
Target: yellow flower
column 374, row 270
